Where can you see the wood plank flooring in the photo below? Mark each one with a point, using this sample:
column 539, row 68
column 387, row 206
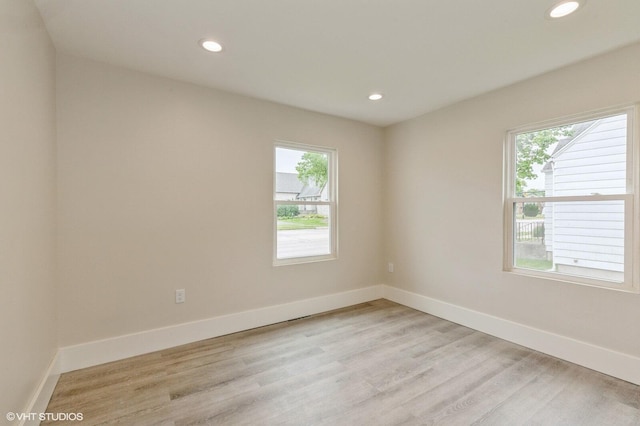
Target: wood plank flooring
column 376, row 363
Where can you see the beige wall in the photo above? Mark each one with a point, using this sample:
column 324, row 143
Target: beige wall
column 443, row 217
column 166, row 185
column 27, row 194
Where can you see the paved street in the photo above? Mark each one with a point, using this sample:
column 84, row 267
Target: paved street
column 303, row 242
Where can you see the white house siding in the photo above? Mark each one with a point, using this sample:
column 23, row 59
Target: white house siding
column 285, row 196
column 547, row 211
column 324, row 210
column 590, row 234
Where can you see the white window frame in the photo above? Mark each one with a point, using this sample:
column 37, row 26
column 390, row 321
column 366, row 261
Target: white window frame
column 630, row 198
column 332, row 203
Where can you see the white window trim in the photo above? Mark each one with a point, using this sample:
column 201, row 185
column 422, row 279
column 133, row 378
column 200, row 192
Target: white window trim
column 631, row 200
column 332, row 155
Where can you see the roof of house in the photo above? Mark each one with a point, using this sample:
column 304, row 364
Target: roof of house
column 308, row 191
column 578, row 130
column 288, row 183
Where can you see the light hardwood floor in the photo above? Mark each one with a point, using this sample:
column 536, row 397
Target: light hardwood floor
column 376, row 363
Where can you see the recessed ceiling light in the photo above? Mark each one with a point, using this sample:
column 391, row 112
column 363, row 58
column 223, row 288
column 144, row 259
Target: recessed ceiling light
column 375, row 96
column 563, row 8
column 210, row 45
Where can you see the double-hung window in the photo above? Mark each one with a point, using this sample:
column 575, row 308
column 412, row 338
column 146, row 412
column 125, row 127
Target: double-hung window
column 304, row 203
column 571, row 203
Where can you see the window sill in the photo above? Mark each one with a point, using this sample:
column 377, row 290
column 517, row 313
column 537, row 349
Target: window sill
column 303, row 260
column 575, row 280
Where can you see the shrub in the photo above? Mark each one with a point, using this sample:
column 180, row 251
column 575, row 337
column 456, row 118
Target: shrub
column 531, row 210
column 288, row 211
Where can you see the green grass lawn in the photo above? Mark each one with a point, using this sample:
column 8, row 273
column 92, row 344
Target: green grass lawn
column 302, row 222
column 537, row 264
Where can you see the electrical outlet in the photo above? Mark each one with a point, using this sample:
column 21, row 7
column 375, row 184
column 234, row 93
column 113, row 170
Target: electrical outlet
column 180, row 295
column 390, row 267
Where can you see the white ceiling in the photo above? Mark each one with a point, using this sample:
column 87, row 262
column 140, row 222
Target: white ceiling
column 329, row 55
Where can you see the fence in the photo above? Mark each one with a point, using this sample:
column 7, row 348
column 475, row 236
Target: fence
column 530, row 232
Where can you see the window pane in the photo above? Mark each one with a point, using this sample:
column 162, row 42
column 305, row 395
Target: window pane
column 582, row 238
column 303, row 230
column 301, row 175
column 578, row 159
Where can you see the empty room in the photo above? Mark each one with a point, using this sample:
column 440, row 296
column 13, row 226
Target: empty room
column 339, row 212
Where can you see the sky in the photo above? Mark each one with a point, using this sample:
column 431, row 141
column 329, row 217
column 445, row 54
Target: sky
column 286, row 160
column 539, row 182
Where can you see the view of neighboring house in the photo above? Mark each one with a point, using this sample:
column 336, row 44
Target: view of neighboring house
column 289, row 188
column 590, row 234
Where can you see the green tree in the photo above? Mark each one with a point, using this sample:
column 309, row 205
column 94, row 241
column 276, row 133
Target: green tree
column 532, row 148
column 313, row 166
column 530, row 210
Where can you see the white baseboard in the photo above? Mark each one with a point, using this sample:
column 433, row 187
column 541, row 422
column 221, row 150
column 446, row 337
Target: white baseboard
column 120, row 347
column 40, row 400
column 616, row 364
